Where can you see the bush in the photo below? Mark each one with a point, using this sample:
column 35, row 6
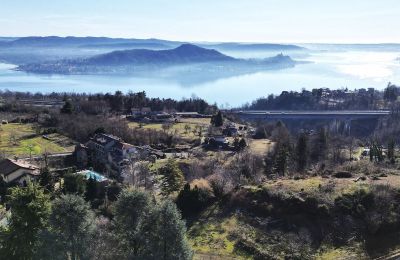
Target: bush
column 74, row 183
column 343, row 175
column 355, row 204
column 192, row 201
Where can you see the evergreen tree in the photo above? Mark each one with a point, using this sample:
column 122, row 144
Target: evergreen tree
column 319, row 146
column 173, row 179
column 46, row 179
column 117, row 101
column 391, row 92
column 67, row 108
column 302, row 152
column 217, row 120
column 132, row 209
column 191, row 201
column 72, row 223
column 74, row 183
column 91, row 189
column 169, row 241
column 281, row 159
column 30, row 209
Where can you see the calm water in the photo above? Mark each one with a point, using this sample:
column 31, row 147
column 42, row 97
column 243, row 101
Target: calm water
column 354, row 69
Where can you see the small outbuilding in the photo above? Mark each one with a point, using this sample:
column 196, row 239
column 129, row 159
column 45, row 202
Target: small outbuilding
column 18, row 171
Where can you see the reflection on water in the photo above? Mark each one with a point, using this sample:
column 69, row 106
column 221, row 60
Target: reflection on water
column 377, row 66
column 355, row 69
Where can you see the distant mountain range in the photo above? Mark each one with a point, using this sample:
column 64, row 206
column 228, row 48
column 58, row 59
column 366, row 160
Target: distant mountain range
column 55, row 41
column 142, row 59
column 113, row 43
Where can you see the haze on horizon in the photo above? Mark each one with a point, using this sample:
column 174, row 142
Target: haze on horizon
column 284, row 21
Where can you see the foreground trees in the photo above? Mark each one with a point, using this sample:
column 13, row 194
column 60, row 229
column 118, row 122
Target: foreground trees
column 67, row 228
column 30, row 209
column 72, row 223
column 147, row 230
column 302, row 152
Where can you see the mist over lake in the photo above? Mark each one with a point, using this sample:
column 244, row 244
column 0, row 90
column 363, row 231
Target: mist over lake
column 330, row 66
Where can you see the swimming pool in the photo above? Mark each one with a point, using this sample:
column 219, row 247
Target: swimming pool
column 92, row 174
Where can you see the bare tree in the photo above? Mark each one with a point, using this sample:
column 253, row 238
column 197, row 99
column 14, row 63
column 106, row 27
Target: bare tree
column 139, row 175
column 13, row 138
column 187, row 128
column 166, row 127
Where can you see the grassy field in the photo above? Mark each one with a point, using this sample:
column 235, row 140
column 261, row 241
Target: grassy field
column 186, row 128
column 260, row 146
column 21, row 140
column 210, row 235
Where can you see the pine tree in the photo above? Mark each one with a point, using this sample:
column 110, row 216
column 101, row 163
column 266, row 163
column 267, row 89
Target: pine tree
column 30, row 209
column 173, row 179
column 169, row 240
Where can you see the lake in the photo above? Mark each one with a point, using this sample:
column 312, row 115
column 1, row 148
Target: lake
column 331, row 69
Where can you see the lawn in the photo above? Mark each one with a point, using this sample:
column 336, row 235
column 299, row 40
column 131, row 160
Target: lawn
column 21, row 140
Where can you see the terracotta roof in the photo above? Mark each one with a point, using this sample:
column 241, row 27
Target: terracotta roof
column 8, row 166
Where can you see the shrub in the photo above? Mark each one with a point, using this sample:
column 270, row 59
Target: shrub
column 343, row 174
column 356, row 203
column 191, row 201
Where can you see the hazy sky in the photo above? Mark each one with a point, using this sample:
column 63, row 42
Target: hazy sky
column 207, row 20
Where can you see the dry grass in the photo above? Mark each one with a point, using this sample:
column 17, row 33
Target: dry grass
column 201, row 184
column 343, row 253
column 211, row 235
column 177, row 128
column 260, row 146
column 198, row 121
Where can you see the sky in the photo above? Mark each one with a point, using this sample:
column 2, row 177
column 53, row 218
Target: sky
column 280, row 21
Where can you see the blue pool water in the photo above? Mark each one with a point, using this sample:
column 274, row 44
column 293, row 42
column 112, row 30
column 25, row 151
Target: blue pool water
column 91, row 174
